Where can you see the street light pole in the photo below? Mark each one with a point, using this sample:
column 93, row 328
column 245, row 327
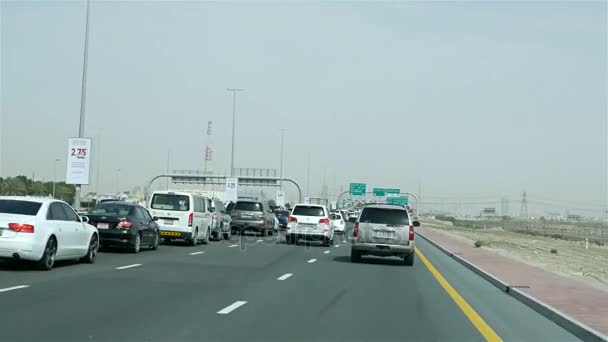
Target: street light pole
column 117, row 177
column 308, row 177
column 55, row 176
column 233, row 90
column 281, row 170
column 83, row 94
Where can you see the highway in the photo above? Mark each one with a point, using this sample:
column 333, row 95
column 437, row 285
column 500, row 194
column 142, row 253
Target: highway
column 260, row 290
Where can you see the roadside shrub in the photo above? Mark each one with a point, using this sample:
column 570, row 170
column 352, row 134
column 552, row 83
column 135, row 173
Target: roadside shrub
column 553, row 251
column 479, row 243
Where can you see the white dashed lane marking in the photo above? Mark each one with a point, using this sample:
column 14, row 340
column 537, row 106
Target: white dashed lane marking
column 196, row 253
column 231, row 307
column 14, row 288
column 284, row 276
column 128, row 266
column 311, row 261
column 326, row 252
column 233, row 246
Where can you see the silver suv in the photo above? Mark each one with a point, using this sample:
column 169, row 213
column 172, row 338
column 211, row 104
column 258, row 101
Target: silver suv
column 250, row 215
column 384, row 230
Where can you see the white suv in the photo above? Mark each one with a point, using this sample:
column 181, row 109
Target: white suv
column 384, row 230
column 310, row 222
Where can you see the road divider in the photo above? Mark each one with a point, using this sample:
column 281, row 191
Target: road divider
column 232, row 307
column 128, row 266
column 14, row 288
column 284, row 276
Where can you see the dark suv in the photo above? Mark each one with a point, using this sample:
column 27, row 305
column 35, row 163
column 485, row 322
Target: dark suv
column 248, row 215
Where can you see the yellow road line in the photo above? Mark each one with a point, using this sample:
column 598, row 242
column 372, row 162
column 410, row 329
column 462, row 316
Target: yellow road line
column 473, row 316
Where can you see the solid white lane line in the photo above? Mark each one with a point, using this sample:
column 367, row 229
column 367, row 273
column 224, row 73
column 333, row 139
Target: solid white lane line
column 284, row 276
column 311, row 261
column 233, row 246
column 326, row 252
column 337, row 246
column 195, row 253
column 231, row 307
column 128, row 266
column 14, row 288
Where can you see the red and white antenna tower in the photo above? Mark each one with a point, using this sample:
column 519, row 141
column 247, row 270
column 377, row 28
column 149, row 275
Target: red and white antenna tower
column 208, row 149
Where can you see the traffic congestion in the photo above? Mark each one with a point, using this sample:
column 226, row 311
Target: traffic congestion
column 182, row 171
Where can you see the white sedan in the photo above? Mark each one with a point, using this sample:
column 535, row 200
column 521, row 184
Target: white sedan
column 338, row 223
column 44, row 230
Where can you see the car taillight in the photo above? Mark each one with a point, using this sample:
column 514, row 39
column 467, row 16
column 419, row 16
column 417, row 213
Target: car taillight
column 21, row 228
column 411, row 233
column 356, row 230
column 190, row 219
column 124, row 224
column 324, row 220
column 292, row 219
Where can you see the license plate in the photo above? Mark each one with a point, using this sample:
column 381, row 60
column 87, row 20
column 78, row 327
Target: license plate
column 383, row 235
column 168, row 222
column 169, row 234
column 103, row 225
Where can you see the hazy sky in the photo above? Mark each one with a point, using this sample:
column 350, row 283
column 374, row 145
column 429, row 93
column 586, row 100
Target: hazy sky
column 471, row 98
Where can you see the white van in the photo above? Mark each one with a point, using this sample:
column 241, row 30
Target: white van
column 182, row 215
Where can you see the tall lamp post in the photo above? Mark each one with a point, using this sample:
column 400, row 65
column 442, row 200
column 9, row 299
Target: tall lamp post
column 55, row 176
column 83, row 94
column 234, row 91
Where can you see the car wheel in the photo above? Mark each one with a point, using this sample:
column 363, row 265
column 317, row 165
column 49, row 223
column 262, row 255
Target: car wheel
column 355, row 256
column 92, row 252
column 48, row 256
column 136, row 244
column 156, row 242
column 166, row 241
column 408, row 260
column 207, row 238
column 331, row 242
column 227, row 235
column 194, row 239
column 265, row 233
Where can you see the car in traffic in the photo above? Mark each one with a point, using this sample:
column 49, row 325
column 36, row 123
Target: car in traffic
column 44, row 230
column 282, row 216
column 338, row 222
column 126, row 225
column 220, row 220
column 249, row 215
column 182, row 216
column 310, row 222
column 384, row 230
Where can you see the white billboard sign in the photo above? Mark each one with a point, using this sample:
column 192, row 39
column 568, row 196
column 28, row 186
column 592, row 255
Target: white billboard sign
column 280, row 198
column 78, row 161
column 232, row 186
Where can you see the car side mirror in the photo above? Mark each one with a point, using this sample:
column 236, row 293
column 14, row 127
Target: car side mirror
column 155, row 218
column 84, row 219
column 416, row 223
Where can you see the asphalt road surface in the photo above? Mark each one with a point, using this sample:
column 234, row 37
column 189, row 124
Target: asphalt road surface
column 261, row 290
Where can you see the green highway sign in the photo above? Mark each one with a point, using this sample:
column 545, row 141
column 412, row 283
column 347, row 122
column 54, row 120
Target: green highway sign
column 403, row 200
column 381, row 192
column 357, row 189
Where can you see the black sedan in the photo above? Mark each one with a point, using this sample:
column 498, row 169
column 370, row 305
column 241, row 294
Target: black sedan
column 123, row 224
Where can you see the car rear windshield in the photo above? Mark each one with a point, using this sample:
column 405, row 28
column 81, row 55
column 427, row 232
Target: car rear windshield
column 171, row 202
column 308, row 211
column 19, row 207
column 282, row 213
column 385, row 216
column 249, row 206
column 111, row 209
